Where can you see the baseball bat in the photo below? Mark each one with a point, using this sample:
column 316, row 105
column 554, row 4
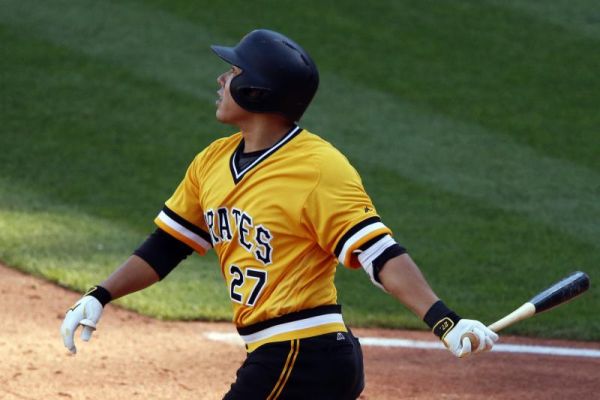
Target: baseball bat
column 561, row 292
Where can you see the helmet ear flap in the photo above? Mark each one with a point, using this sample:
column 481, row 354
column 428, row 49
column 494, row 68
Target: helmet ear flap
column 255, row 95
column 250, row 97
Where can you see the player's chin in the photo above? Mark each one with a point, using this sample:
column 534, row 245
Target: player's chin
column 221, row 116
column 225, row 118
column 228, row 114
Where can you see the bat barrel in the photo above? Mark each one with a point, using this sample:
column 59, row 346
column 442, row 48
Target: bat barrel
column 562, row 291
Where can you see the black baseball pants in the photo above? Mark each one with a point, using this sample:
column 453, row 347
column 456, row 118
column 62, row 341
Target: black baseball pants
column 325, row 367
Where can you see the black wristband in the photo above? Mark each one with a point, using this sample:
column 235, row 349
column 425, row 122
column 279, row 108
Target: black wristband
column 440, row 319
column 100, row 293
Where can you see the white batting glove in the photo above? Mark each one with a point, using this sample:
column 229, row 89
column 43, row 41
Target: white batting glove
column 86, row 312
column 469, row 337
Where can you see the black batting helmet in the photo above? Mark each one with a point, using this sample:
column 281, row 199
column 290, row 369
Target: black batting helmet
column 277, row 74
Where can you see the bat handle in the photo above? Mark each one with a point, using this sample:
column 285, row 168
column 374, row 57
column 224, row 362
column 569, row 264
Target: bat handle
column 525, row 311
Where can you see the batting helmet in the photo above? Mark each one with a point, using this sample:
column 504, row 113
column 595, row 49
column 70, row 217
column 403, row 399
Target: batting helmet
column 277, row 74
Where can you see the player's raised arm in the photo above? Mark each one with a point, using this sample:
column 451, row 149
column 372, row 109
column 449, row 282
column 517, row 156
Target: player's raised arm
column 402, row 278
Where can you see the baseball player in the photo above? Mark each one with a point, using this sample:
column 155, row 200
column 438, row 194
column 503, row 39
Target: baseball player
column 281, row 207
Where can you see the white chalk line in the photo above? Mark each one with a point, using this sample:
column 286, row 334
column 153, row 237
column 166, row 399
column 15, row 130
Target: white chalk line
column 234, row 338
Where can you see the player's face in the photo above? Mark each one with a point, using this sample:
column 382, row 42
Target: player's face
column 228, row 111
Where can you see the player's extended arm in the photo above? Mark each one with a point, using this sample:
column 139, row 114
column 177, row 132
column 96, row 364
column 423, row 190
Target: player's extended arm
column 157, row 256
column 135, row 274
column 403, row 279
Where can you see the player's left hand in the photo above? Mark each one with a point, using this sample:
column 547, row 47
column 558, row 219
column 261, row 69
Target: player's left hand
column 469, row 336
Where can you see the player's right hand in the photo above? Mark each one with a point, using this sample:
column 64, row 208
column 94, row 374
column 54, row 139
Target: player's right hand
column 469, row 337
column 86, row 312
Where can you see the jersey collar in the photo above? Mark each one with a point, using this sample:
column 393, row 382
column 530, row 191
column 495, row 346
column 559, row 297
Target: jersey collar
column 238, row 175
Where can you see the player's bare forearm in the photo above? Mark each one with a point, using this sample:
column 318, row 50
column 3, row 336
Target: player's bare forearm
column 403, row 279
column 135, row 274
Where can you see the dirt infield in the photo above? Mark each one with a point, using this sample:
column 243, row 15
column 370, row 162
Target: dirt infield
column 132, row 356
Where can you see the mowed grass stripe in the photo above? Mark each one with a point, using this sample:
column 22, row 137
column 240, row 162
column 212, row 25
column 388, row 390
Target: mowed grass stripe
column 482, row 65
column 92, row 135
column 452, row 155
column 581, row 16
column 149, row 42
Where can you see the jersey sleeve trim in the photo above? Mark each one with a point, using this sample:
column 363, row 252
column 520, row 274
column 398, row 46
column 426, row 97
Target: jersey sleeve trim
column 184, row 230
column 356, row 236
column 374, row 257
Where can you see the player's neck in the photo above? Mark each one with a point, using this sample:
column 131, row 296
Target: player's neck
column 263, row 132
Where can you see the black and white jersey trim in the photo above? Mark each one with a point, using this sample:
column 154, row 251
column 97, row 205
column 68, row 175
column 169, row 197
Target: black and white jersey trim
column 374, row 257
column 184, row 227
column 238, row 175
column 355, row 234
column 291, row 317
column 314, row 317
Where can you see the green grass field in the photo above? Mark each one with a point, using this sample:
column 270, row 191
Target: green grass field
column 474, row 124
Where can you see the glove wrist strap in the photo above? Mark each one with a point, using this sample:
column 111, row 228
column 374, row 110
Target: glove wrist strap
column 440, row 319
column 100, row 293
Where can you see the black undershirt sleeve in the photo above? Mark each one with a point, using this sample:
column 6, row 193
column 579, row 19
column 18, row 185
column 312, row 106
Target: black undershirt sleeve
column 163, row 252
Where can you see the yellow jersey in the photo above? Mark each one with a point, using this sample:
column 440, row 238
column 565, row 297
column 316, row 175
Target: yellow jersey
column 279, row 227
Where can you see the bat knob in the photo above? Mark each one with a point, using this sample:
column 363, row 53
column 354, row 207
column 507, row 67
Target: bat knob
column 472, row 338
